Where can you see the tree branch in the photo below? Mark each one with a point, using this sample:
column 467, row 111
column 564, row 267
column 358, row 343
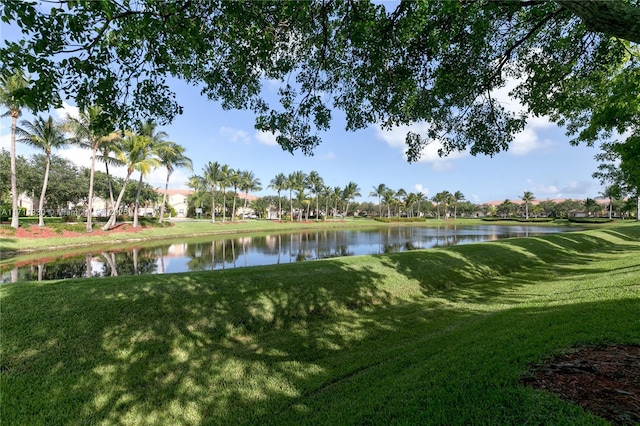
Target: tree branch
column 615, row 18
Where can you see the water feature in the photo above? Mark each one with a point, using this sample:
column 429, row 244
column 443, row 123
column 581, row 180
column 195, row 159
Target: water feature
column 212, row 253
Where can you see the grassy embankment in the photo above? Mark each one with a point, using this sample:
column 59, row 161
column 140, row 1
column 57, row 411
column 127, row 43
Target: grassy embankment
column 427, row 337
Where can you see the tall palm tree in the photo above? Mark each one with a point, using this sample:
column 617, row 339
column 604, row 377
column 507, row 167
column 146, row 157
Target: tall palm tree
column 336, row 194
column 295, row 181
column 47, row 135
column 105, row 154
column 610, row 192
column 315, row 184
column 378, row 191
column 302, row 200
column 171, row 156
column 279, row 182
column 148, row 157
column 11, row 90
column 387, row 197
column 90, row 130
column 134, row 150
column 351, row 191
column 420, row 197
column 400, row 194
column 527, row 197
column 457, row 197
column 235, row 179
column 225, row 173
column 248, row 182
column 213, row 179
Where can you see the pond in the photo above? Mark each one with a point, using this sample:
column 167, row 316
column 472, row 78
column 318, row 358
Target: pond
column 212, row 253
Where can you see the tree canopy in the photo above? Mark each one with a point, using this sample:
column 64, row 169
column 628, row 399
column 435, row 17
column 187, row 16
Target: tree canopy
column 441, row 63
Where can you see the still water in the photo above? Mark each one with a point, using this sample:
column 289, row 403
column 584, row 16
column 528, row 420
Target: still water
column 212, row 253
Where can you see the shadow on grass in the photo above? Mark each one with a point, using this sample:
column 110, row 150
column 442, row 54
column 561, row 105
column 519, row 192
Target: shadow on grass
column 282, row 344
column 106, row 350
column 444, row 273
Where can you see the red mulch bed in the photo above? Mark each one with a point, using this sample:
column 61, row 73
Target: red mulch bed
column 34, row 231
column 602, row 379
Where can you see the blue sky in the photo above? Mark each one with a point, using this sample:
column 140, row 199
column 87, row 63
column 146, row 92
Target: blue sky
column 541, row 160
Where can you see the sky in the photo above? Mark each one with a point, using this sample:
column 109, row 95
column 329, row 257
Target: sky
column 540, row 160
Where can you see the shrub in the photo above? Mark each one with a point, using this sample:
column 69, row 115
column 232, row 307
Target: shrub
column 400, row 219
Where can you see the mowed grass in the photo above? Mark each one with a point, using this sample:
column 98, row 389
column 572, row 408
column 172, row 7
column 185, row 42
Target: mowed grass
column 439, row 336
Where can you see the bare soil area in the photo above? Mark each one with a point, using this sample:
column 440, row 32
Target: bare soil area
column 602, row 379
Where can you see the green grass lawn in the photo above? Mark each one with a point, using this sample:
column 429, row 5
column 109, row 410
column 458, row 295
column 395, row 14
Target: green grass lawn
column 439, row 336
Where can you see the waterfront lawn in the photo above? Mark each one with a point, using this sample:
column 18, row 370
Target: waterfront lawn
column 439, row 336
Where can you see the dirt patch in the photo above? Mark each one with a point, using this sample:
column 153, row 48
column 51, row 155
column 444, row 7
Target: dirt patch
column 602, row 379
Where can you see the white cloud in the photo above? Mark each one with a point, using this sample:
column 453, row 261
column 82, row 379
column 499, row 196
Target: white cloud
column 234, row 135
column 328, row 156
column 67, row 110
column 569, row 189
column 396, row 138
column 266, row 138
column 527, row 141
column 420, row 188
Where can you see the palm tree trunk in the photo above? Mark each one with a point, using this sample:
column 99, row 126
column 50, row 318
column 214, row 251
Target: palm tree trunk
column 164, row 198
column 112, row 219
column 42, row 194
column 224, row 204
column 15, row 222
column 137, row 204
column 213, row 205
column 90, row 199
column 106, row 166
column 291, row 204
column 279, row 207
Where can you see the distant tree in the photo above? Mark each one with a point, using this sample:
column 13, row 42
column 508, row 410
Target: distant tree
column 527, row 197
column 278, row 183
column 21, row 167
column 249, row 182
column 610, row 192
column 592, row 206
column 378, row 191
column 351, row 191
column 506, row 209
column 315, row 184
column 47, row 135
column 457, row 197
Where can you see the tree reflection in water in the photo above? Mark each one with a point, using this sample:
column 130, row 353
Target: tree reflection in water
column 201, row 254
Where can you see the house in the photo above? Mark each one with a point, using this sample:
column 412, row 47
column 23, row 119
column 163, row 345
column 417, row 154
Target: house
column 177, row 199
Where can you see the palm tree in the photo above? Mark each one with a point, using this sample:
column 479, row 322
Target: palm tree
column 441, row 197
column 387, row 197
column 11, row 90
column 302, row 200
column 400, row 194
column 610, row 192
column 104, row 154
column 171, row 156
column 315, row 184
column 199, row 185
column 591, row 206
column 148, row 159
column 527, row 197
column 225, row 173
column 279, row 183
column 457, row 197
column 46, row 135
column 212, row 179
column 235, row 181
column 295, row 181
column 248, row 182
column 91, row 129
column 420, row 197
column 337, row 197
column 378, row 191
column 351, row 191
column 134, row 150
